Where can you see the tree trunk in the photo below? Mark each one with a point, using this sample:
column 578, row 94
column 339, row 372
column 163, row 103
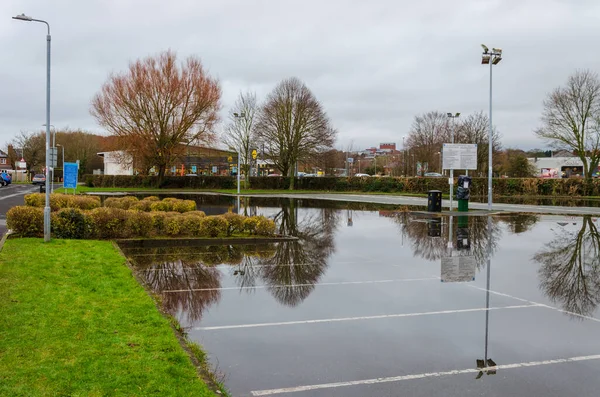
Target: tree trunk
column 161, row 173
column 292, row 178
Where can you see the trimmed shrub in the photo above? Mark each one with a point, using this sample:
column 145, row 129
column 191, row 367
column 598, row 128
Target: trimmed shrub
column 151, row 198
column 35, row 199
column 250, row 224
column 214, row 226
column 163, row 206
column 192, row 224
column 235, row 223
column 265, row 226
column 159, row 222
column 139, row 224
column 69, row 223
column 108, row 223
column 26, row 221
column 200, row 214
column 184, row 205
column 59, row 201
column 173, row 226
column 142, row 205
column 123, row 203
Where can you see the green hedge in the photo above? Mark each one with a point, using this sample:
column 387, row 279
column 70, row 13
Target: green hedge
column 502, row 186
column 111, row 223
column 58, row 201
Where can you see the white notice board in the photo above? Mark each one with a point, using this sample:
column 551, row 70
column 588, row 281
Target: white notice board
column 459, row 156
column 458, row 269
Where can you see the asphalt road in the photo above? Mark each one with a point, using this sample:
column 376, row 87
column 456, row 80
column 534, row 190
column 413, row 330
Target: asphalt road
column 10, row 196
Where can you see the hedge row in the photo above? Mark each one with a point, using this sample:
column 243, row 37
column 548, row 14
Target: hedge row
column 58, row 201
column 151, row 203
column 501, row 186
column 111, row 223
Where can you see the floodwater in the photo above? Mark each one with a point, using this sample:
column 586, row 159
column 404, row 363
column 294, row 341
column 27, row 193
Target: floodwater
column 382, row 302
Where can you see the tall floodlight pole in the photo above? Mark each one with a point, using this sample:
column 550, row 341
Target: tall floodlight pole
column 239, row 116
column 452, row 116
column 26, row 18
column 492, row 57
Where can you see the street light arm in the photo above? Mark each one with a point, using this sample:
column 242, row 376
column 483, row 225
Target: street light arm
column 42, row 21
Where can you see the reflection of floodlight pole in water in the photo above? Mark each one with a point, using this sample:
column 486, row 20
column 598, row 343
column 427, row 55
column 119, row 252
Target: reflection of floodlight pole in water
column 349, row 216
column 487, row 362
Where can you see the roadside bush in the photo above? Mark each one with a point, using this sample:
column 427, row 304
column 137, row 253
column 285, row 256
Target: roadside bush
column 26, row 221
column 173, row 226
column 69, row 223
column 108, row 223
column 163, row 206
column 214, row 226
column 200, row 214
column 250, row 224
column 139, row 224
column 265, row 226
column 123, row 203
column 192, row 224
column 59, row 201
column 184, row 205
column 235, row 223
column 142, row 205
column 159, row 222
column 151, row 198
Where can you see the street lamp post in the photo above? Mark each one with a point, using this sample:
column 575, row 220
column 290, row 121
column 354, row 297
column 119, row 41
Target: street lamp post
column 53, row 146
column 239, row 116
column 63, row 161
column 452, row 116
column 26, row 18
column 490, row 58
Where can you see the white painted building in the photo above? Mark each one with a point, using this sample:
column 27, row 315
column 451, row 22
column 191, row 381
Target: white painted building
column 117, row 163
column 554, row 167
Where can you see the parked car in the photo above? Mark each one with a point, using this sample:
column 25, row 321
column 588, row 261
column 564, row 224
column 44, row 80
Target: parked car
column 310, row 175
column 433, row 174
column 273, row 175
column 39, row 179
column 5, row 179
column 361, row 175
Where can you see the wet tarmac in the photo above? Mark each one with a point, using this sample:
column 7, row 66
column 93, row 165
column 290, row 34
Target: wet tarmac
column 383, row 302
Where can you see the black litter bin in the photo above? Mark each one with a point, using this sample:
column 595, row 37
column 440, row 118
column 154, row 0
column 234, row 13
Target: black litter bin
column 434, row 201
column 434, row 228
column 42, row 188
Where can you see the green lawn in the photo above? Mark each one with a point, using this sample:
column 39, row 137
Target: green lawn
column 85, row 189
column 74, row 321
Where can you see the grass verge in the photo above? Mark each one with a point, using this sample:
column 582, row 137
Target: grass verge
column 73, row 321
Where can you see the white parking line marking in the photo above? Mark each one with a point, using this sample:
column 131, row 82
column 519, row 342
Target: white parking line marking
column 537, row 304
column 302, row 285
column 420, row 376
column 332, row 320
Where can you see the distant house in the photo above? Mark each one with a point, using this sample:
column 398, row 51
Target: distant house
column 4, row 161
column 117, row 163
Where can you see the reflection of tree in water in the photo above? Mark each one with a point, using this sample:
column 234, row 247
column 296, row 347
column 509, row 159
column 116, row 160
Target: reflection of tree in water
column 519, row 223
column 187, row 276
column 570, row 268
column 421, row 231
column 291, row 273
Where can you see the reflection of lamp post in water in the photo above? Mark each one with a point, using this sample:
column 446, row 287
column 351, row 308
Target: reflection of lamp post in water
column 487, row 362
column 349, row 215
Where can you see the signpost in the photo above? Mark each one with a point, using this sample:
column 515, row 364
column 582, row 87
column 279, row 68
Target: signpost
column 71, row 171
column 458, row 156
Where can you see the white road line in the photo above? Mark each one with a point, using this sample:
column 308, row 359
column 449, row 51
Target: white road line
column 21, row 193
column 302, row 285
column 420, row 376
column 332, row 320
column 537, row 304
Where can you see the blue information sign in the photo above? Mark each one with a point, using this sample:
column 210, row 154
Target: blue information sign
column 193, row 169
column 70, row 180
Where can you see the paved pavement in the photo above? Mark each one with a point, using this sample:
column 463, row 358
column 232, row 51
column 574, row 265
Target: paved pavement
column 10, row 196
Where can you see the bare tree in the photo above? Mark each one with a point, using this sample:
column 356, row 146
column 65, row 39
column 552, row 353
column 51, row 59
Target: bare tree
column 157, row 107
column 427, row 135
column 32, row 147
column 293, row 126
column 475, row 129
column 571, row 119
column 239, row 133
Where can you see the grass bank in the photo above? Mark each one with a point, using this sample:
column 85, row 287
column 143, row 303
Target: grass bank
column 74, row 321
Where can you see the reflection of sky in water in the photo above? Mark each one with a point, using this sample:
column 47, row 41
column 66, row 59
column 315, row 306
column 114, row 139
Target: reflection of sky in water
column 548, row 259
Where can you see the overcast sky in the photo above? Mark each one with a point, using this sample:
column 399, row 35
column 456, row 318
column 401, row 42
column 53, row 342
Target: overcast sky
column 373, row 64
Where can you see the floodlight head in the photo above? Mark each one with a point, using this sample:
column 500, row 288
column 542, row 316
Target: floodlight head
column 449, row 114
column 496, row 60
column 457, row 114
column 23, row 17
column 485, row 59
column 485, row 49
column 497, row 51
column 242, row 114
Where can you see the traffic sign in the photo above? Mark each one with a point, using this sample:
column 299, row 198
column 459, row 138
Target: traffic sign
column 230, row 159
column 459, row 156
column 70, row 179
column 194, row 169
column 51, row 155
column 254, row 154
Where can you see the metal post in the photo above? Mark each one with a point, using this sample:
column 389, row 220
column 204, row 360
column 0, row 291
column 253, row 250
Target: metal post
column 487, row 295
column 238, row 174
column 452, row 170
column 47, row 204
column 53, row 148
column 490, row 168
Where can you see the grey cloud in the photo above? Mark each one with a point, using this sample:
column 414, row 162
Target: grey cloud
column 374, row 65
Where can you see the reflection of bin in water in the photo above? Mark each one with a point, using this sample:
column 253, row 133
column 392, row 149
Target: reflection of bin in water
column 434, row 228
column 463, row 242
column 434, row 201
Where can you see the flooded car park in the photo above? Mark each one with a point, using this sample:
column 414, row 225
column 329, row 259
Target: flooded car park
column 382, row 301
